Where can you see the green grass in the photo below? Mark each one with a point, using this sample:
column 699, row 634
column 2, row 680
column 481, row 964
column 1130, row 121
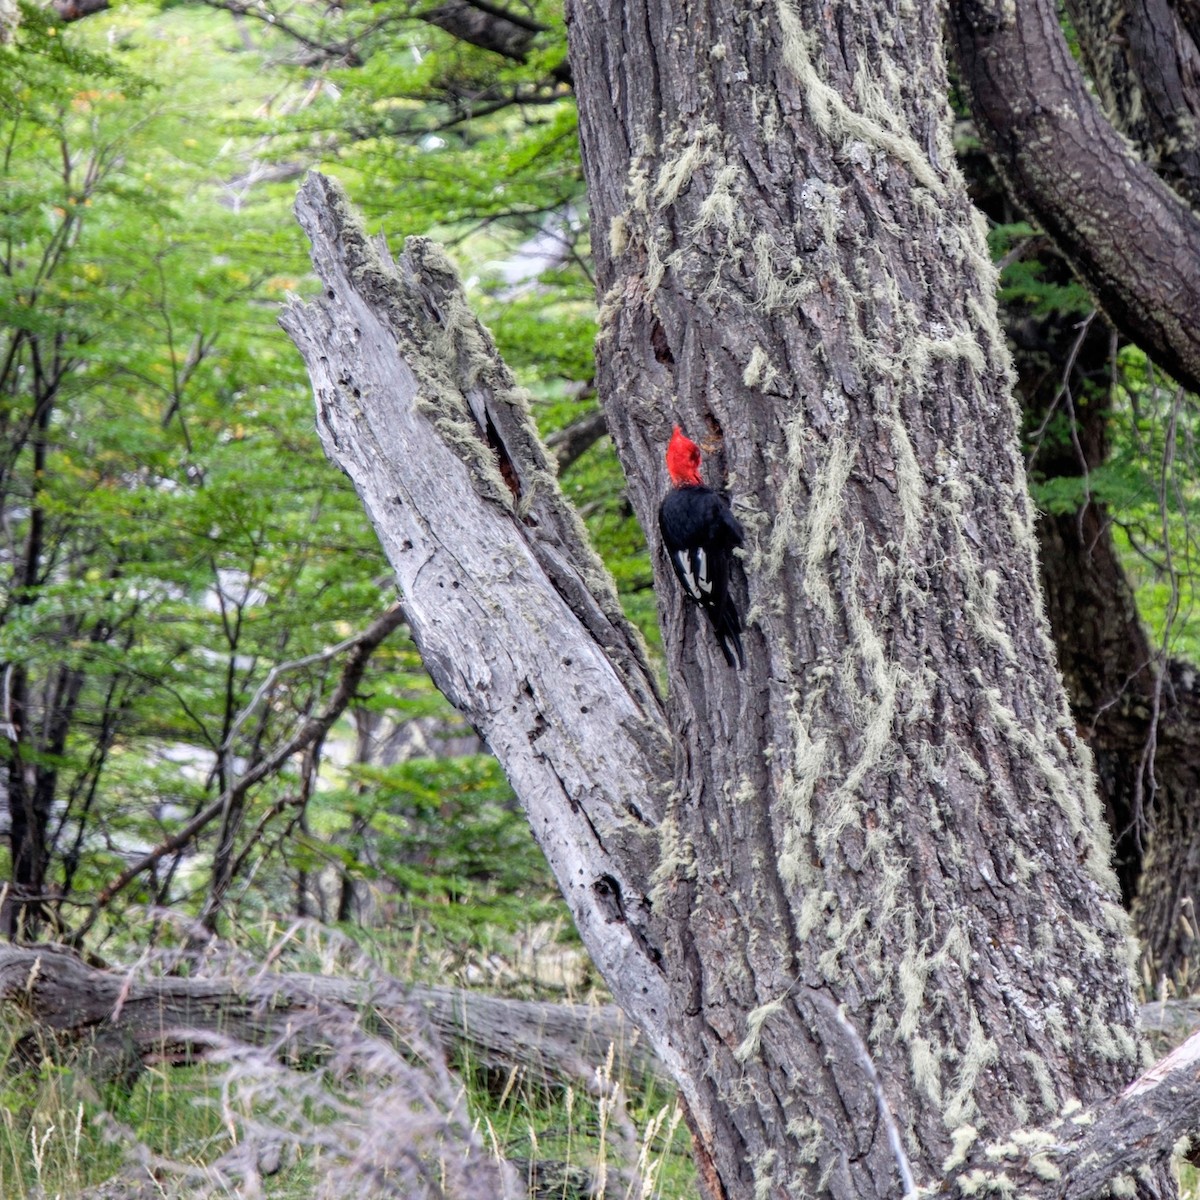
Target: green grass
column 61, row 1132
column 1189, row 1182
column 59, row 1135
column 531, row 1121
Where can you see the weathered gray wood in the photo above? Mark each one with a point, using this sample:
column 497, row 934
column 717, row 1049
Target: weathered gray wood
column 374, row 1098
column 516, row 618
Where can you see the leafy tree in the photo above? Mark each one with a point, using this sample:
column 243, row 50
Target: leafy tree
column 171, row 537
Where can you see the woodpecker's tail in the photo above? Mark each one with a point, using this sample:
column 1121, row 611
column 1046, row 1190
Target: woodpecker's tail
column 727, row 625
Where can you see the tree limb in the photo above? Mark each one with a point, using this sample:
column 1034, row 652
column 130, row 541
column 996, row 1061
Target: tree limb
column 1145, row 63
column 76, row 10
column 1142, row 1125
column 515, row 617
column 486, row 26
column 575, row 439
column 113, row 1014
column 1130, row 238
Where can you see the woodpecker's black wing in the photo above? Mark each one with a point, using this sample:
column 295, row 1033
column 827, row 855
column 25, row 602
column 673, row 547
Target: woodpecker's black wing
column 700, row 533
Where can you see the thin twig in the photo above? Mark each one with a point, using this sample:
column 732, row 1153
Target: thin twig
column 363, row 645
column 881, row 1103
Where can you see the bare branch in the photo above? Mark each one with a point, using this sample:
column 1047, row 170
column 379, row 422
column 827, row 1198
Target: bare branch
column 486, row 26
column 118, row 1012
column 76, row 10
column 1130, row 238
column 580, row 436
column 314, row 729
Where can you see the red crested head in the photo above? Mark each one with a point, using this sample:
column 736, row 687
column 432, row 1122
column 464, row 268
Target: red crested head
column 683, row 459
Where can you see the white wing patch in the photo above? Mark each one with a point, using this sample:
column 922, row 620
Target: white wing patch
column 703, row 578
column 683, row 566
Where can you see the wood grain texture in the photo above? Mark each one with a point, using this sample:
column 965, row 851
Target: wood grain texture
column 120, row 1019
column 515, row 617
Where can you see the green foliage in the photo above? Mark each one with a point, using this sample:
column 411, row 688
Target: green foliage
column 174, row 529
column 190, row 537
column 1027, row 281
column 448, row 834
column 1155, row 434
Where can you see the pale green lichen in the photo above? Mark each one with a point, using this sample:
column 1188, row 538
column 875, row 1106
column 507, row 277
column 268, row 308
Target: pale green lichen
column 815, row 531
column 763, row 1168
column 841, row 934
column 961, row 1141
column 986, row 1183
column 719, row 208
column 806, row 1132
column 759, row 372
column 926, row 1068
column 834, row 117
column 683, row 153
column 910, row 482
column 676, row 860
column 979, row 1053
column 781, row 281
column 813, row 907
column 618, row 235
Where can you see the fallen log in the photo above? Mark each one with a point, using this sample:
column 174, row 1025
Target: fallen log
column 121, row 1020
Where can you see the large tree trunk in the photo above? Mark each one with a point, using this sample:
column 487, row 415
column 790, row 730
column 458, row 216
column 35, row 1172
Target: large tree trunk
column 890, row 812
column 870, row 927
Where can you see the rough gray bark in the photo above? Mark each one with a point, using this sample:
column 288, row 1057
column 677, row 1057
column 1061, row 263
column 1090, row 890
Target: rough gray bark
column 808, row 941
column 889, row 809
column 1130, row 238
column 871, row 930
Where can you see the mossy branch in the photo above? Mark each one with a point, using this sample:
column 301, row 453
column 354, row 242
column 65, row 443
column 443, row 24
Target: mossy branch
column 1133, row 241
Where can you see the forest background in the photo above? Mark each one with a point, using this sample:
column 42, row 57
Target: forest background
column 230, row 751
